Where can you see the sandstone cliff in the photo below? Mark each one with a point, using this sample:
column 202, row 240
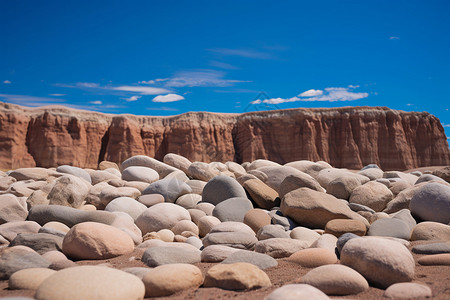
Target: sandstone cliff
column 348, row 137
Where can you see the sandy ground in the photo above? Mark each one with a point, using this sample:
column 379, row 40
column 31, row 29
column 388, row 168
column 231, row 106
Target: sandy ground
column 436, row 277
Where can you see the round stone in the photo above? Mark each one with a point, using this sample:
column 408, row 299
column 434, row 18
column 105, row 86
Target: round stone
column 256, row 219
column 297, row 292
column 170, row 188
column 216, row 253
column 162, row 255
column 435, row 260
column 336, row 280
column 431, row 202
column 90, row 240
column 381, row 261
column 313, row 257
column 221, row 188
column 206, row 223
column 127, row 205
column 169, row 279
column 260, row 260
column 304, row 234
column 430, row 231
column 237, row 276
column 161, row 216
column 280, row 247
column 137, row 173
column 91, row 282
column 232, row 209
column 372, row 194
column 151, row 199
column 407, row 290
column 29, row 279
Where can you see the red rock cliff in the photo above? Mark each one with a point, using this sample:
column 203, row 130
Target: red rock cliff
column 348, row 137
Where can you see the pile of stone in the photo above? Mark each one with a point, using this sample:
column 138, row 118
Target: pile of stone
column 351, row 228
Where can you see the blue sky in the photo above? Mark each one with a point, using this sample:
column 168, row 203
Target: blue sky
column 170, row 57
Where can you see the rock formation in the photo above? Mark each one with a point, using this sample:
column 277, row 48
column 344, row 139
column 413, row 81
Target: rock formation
column 348, row 137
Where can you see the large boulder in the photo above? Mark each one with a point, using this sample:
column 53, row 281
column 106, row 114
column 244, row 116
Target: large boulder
column 146, row 161
column 382, row 262
column 75, row 171
column 299, row 180
column 221, row 188
column 177, row 161
column 90, row 240
column 314, row 209
column 263, row 195
column 431, row 203
column 127, row 205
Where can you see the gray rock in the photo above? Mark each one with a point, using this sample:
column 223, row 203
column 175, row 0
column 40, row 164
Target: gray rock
column 161, row 216
column 138, row 173
column 39, row 242
column 18, row 258
column 146, row 161
column 271, row 231
column 160, row 255
column 74, row 171
column 431, row 203
column 343, row 239
column 233, row 209
column 10, row 230
column 127, row 205
column 433, row 248
column 52, row 231
column 405, row 216
column 280, row 247
column 221, row 188
column 390, row 227
column 170, row 188
column 370, row 166
column 260, row 260
column 216, row 253
column 69, row 216
column 278, row 218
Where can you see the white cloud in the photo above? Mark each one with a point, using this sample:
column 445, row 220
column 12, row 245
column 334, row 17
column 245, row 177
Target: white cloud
column 7, row 82
column 168, row 98
column 394, row 38
column 153, row 81
column 87, row 84
column 97, row 102
column 409, row 104
column 143, row 90
column 445, row 125
column 132, row 98
column 57, row 95
column 311, row 93
column 248, row 53
column 257, row 101
column 203, row 78
column 330, row 94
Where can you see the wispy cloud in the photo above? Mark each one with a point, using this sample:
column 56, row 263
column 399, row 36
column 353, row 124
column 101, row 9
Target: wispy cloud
column 7, row 82
column 143, row 90
column 57, row 95
column 134, row 89
column 30, row 100
column 200, row 78
column 168, row 98
column 153, row 81
column 247, row 53
column 330, row 94
column 445, row 125
column 97, row 102
column 222, row 65
column 164, row 108
column 132, row 98
column 394, row 38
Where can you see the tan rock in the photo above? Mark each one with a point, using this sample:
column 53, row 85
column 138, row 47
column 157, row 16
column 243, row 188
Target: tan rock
column 256, row 219
column 336, row 280
column 430, row 231
column 91, row 282
column 151, row 199
column 314, row 209
column 107, row 165
column 313, row 257
column 407, row 290
column 280, row 247
column 177, row 161
column 237, row 276
column 338, row 227
column 435, row 260
column 206, row 223
column 381, row 261
column 185, row 225
column 169, row 279
column 29, row 279
column 372, row 194
column 262, row 194
column 90, row 240
column 297, row 292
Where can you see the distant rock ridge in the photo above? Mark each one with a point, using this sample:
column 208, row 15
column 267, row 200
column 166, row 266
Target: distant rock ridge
column 349, row 137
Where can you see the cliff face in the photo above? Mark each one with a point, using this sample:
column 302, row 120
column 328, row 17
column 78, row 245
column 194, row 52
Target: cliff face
column 348, row 137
